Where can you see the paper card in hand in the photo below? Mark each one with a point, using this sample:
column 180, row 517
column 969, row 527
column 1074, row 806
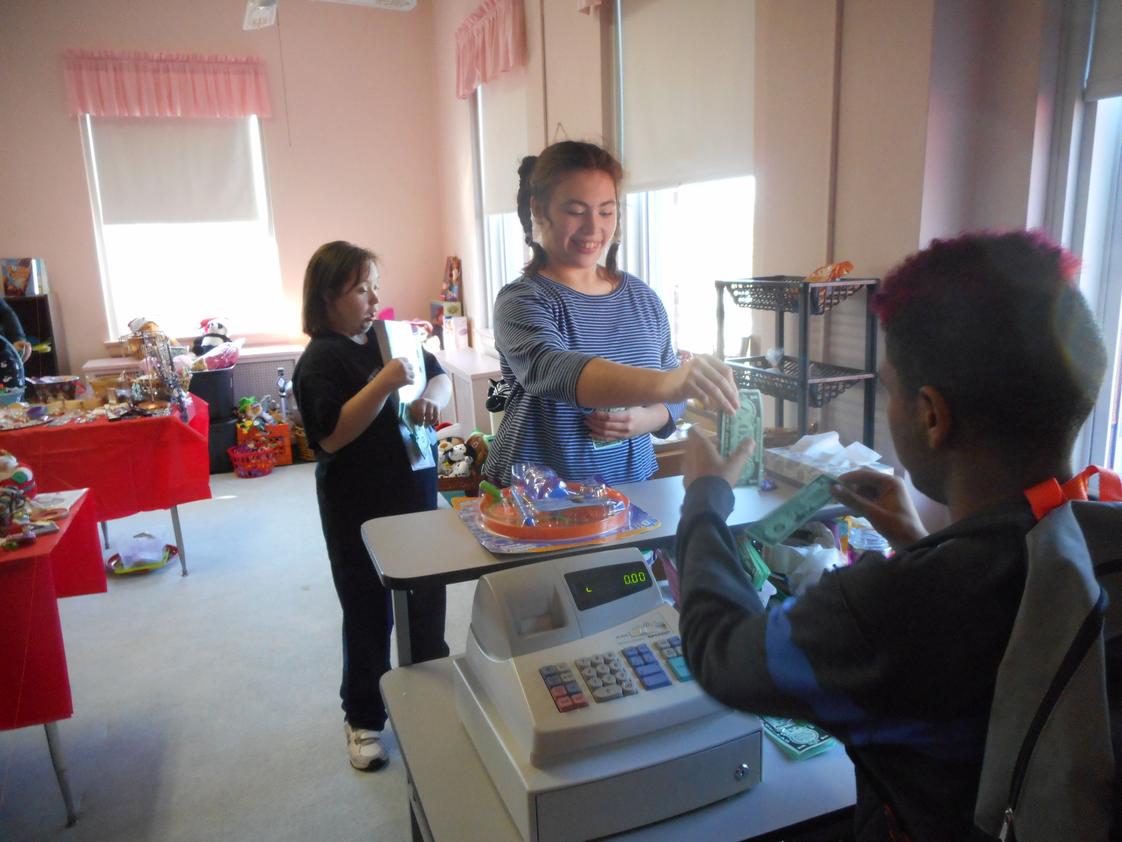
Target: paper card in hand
column 396, row 339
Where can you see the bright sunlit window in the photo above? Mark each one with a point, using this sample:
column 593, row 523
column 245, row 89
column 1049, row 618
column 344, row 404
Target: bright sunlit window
column 183, row 221
column 682, row 239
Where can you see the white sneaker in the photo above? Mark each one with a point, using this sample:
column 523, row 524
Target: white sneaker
column 365, row 748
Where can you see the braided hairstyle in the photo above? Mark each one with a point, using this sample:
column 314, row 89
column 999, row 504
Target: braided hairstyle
column 538, row 175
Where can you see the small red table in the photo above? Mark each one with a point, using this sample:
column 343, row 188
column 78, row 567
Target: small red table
column 129, row 466
column 34, row 682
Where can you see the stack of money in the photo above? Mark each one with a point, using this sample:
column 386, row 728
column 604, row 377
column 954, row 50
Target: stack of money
column 747, row 422
column 798, row 740
column 794, row 513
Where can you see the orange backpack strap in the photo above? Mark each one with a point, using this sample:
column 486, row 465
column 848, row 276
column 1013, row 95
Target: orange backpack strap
column 1050, row 494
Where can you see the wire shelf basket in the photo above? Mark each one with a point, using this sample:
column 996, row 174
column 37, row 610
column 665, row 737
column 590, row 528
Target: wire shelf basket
column 781, row 292
column 825, row 381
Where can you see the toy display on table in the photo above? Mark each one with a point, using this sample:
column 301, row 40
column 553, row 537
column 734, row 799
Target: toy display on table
column 540, row 506
column 17, row 488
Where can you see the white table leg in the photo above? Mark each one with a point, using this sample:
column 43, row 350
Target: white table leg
column 105, row 533
column 179, row 539
column 58, row 760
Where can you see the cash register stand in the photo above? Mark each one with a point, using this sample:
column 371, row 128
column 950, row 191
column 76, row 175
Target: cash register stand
column 437, row 548
column 451, row 796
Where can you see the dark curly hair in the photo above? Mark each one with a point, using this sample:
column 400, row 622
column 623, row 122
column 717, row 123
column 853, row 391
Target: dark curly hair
column 996, row 323
column 538, row 175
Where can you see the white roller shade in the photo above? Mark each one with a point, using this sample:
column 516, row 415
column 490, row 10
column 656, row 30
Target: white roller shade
column 687, row 90
column 174, row 170
column 1104, row 80
column 503, row 129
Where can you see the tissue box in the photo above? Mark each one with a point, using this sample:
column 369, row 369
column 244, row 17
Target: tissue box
column 798, row 467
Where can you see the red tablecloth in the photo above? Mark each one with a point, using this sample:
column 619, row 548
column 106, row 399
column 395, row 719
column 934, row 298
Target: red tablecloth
column 133, row 465
column 34, row 683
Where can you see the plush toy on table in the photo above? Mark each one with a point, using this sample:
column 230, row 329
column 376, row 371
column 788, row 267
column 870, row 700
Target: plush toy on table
column 15, row 475
column 214, row 333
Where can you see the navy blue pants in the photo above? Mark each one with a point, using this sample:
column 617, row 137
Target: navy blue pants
column 368, row 620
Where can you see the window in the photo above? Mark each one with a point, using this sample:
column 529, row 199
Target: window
column 1102, row 274
column 682, row 239
column 183, row 224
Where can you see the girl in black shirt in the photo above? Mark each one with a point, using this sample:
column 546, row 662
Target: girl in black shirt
column 347, row 396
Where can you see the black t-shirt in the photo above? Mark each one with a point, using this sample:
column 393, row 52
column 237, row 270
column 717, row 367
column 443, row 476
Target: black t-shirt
column 371, row 476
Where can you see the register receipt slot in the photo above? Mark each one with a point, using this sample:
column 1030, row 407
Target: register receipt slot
column 574, row 692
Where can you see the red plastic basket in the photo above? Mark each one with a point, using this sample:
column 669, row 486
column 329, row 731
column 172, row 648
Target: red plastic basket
column 251, row 462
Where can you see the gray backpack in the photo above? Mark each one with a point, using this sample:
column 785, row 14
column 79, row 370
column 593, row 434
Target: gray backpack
column 1055, row 728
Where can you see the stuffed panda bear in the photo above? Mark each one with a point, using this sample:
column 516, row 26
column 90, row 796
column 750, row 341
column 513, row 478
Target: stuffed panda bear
column 214, row 333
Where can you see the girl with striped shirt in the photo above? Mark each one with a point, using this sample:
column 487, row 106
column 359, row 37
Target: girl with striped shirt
column 586, row 348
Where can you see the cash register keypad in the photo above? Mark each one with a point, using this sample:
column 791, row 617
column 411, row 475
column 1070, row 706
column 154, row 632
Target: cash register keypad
column 608, row 675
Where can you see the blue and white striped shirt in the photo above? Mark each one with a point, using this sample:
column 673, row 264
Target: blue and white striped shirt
column 546, row 333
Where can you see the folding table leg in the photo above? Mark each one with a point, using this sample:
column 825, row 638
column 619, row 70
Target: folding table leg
column 58, row 760
column 179, row 539
column 105, row 533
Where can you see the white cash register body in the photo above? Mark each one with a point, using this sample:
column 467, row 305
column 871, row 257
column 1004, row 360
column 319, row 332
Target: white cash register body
column 580, row 706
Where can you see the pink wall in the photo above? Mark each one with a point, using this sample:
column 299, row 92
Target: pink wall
column 351, row 149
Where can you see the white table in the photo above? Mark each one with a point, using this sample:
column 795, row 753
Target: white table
column 437, row 548
column 451, row 796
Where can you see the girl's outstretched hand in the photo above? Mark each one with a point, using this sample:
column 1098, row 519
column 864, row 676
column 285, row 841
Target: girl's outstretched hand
column 707, row 379
column 397, row 372
column 703, row 460
column 884, row 500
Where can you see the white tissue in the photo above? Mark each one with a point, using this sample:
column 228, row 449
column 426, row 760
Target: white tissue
column 818, row 446
column 822, row 453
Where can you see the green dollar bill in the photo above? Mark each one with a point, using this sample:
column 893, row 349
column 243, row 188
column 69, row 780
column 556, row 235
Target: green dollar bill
column 798, row 740
column 746, row 422
column 794, row 513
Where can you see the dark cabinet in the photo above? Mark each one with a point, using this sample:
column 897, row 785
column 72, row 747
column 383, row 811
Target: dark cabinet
column 34, row 313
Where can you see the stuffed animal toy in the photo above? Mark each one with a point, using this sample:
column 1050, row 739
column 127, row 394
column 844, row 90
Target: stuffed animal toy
column 214, row 333
column 455, row 461
column 15, row 475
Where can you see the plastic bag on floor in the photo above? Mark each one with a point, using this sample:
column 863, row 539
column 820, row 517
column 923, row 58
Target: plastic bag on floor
column 141, row 552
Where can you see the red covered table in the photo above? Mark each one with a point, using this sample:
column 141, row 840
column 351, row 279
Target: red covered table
column 132, row 465
column 34, row 682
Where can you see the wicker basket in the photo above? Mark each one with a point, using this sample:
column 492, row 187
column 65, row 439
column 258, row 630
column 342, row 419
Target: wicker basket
column 250, row 461
column 300, row 444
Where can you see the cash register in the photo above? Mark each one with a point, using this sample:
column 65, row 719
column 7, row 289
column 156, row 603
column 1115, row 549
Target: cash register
column 575, row 694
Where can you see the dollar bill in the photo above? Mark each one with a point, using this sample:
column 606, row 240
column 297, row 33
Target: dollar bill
column 746, row 422
column 798, row 740
column 752, row 562
column 794, row 513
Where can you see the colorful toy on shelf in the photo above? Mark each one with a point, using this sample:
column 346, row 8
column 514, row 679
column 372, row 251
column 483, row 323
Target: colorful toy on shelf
column 451, row 286
column 252, row 415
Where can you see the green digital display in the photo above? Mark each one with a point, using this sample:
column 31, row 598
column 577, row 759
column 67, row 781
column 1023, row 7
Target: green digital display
column 599, row 585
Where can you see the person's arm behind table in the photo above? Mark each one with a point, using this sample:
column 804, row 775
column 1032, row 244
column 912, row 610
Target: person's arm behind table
column 765, row 663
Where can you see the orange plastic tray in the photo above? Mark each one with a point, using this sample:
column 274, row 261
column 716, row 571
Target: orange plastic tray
column 504, row 518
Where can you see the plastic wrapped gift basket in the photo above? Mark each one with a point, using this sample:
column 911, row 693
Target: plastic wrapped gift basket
column 539, row 506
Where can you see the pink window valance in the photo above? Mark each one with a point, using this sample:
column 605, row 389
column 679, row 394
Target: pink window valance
column 588, row 6
column 134, row 84
column 492, row 40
